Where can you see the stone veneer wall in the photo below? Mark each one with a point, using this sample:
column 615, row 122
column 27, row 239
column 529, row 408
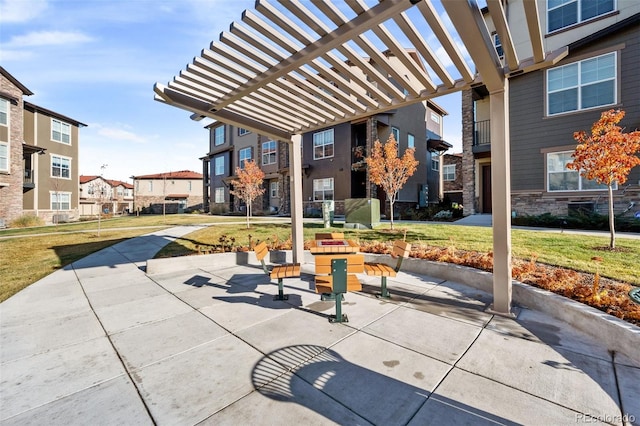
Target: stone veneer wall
column 468, row 163
column 537, row 202
column 11, row 194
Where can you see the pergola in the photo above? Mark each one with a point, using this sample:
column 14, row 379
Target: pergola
column 292, row 67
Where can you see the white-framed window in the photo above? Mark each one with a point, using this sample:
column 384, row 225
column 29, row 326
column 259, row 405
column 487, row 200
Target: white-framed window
column 268, row 153
column 120, row 192
column 189, row 185
column 60, row 131
column 218, row 195
column 60, row 200
column 219, row 165
column 435, row 117
column 60, row 167
column 4, row 157
column 243, row 155
column 498, row 45
column 435, row 162
column 449, row 172
column 323, row 144
column 218, row 136
column 411, row 141
column 274, row 189
column 323, row 189
column 242, row 132
column 565, row 13
column 4, row 112
column 560, row 178
column 581, row 85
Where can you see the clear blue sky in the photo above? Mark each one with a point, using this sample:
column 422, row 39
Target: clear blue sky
column 96, row 61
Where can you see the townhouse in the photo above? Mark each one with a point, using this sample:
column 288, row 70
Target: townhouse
column 168, row 192
column 106, row 195
column 547, row 106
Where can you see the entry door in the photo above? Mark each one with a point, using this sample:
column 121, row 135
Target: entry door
column 486, row 188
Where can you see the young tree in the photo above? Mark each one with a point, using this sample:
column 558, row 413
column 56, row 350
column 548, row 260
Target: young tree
column 390, row 171
column 248, row 185
column 607, row 156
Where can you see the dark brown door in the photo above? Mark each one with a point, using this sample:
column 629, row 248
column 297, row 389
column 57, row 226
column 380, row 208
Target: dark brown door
column 486, row 189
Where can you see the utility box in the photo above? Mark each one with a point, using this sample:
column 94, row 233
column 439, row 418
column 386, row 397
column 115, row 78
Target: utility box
column 328, row 209
column 361, row 213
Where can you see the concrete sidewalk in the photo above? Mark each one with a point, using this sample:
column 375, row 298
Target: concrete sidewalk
column 105, row 342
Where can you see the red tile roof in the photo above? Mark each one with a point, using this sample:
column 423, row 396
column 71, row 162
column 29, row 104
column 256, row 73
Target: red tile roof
column 89, row 178
column 183, row 174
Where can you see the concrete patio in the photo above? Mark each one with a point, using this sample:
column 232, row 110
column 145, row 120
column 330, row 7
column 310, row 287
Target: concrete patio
column 106, row 341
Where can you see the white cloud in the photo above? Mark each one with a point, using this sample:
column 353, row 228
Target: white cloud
column 21, row 10
column 48, row 38
column 119, row 134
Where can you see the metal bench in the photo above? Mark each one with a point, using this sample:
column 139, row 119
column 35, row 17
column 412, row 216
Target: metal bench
column 279, row 272
column 401, row 250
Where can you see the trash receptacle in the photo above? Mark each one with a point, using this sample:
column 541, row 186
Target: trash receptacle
column 327, row 213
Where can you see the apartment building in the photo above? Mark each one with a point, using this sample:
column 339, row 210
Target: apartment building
column 547, row 106
column 106, row 195
column 332, row 161
column 169, row 192
column 38, row 158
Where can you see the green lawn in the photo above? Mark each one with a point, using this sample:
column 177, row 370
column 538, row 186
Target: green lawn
column 27, row 257
column 565, row 250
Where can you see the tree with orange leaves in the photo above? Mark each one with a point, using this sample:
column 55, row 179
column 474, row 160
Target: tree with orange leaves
column 248, row 184
column 390, row 171
column 607, row 156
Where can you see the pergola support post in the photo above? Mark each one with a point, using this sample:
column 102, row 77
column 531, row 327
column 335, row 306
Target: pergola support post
column 295, row 177
column 501, row 200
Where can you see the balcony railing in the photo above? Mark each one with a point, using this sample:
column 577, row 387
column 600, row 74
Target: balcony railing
column 28, row 176
column 482, row 133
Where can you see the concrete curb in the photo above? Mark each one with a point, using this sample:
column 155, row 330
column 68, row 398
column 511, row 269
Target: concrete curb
column 618, row 335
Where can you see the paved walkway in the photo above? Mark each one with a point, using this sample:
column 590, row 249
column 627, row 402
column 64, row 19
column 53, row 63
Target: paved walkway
column 103, row 342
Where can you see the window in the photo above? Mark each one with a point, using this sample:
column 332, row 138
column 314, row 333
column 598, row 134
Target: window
column 564, row 13
column 60, row 167
column 218, row 136
column 189, row 185
column 274, row 189
column 150, row 186
column 323, row 144
column 219, row 195
column 60, row 200
column 243, row 155
column 435, row 117
column 60, row 131
column 120, row 193
column 435, row 162
column 219, row 165
column 411, row 141
column 323, row 189
column 560, row 178
column 269, row 153
column 582, row 85
column 449, row 172
column 396, row 134
column 498, row 46
column 4, row 112
column 242, row 132
column 4, row 157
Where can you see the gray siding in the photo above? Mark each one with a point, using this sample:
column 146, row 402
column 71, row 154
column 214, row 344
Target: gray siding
column 531, row 131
